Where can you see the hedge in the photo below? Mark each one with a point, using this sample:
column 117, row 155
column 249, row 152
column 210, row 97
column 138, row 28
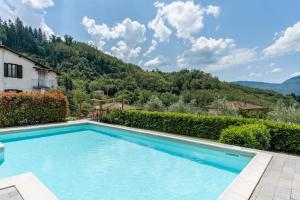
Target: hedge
column 248, row 135
column 283, row 137
column 32, row 108
column 185, row 124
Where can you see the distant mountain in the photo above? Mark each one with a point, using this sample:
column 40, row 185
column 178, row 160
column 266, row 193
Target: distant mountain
column 289, row 86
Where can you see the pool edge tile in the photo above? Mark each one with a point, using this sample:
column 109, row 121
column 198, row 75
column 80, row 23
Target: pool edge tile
column 29, row 187
column 245, row 183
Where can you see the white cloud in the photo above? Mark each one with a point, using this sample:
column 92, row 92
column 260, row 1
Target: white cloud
column 30, row 12
column 204, row 51
column 99, row 32
column 185, row 17
column 295, row 74
column 288, row 42
column 275, row 70
column 131, row 33
column 6, row 11
column 157, row 62
column 39, row 4
column 125, row 52
column 161, row 31
column 213, row 10
column 151, row 48
column 231, row 59
column 253, row 74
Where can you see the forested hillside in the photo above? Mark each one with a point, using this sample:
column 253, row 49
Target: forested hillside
column 85, row 69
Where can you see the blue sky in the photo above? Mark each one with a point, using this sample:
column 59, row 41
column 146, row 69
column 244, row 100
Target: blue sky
column 234, row 40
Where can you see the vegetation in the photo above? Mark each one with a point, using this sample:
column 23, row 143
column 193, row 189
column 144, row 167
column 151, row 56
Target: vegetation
column 186, row 124
column 276, row 136
column 221, row 107
column 284, row 137
column 181, row 107
column 86, row 69
column 154, row 104
column 285, row 113
column 249, row 135
column 26, row 108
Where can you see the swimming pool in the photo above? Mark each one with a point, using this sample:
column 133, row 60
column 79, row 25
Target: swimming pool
column 95, row 162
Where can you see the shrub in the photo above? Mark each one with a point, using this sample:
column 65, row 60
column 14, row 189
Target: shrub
column 107, row 117
column 183, row 124
column 249, row 135
column 32, row 108
column 284, row 137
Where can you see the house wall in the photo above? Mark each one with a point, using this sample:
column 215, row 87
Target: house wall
column 29, row 74
column 1, row 71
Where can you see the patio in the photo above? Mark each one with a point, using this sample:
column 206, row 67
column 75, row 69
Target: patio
column 281, row 180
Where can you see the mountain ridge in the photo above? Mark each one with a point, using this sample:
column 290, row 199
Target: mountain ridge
column 289, row 86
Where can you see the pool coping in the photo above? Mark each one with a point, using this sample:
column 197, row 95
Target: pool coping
column 241, row 188
column 28, row 186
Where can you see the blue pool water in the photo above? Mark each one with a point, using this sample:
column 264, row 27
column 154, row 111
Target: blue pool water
column 91, row 162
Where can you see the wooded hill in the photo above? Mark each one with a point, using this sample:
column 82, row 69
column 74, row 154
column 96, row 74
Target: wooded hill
column 85, row 68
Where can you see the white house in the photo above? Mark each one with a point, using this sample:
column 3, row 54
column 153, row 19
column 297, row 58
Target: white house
column 19, row 73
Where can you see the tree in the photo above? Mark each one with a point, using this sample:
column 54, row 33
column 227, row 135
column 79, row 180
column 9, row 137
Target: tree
column 154, row 104
column 67, row 83
column 285, row 113
column 222, row 107
column 182, row 107
column 80, row 97
column 68, row 39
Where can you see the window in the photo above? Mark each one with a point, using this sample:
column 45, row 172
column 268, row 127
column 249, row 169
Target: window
column 13, row 70
column 12, row 90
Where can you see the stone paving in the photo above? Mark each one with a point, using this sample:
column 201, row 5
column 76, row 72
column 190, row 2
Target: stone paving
column 10, row 193
column 281, row 180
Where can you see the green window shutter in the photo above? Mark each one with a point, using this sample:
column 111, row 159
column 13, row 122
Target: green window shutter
column 20, row 71
column 5, row 70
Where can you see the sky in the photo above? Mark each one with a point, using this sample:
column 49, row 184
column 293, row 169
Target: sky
column 234, row 40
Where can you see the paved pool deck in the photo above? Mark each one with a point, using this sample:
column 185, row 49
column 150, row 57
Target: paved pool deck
column 10, row 193
column 281, row 179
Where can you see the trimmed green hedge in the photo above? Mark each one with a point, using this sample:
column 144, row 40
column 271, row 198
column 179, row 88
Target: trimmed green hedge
column 284, row 137
column 185, row 124
column 32, row 108
column 249, row 135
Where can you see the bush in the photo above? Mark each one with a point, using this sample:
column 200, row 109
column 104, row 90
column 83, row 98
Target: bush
column 249, row 135
column 30, row 108
column 284, row 137
column 183, row 124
